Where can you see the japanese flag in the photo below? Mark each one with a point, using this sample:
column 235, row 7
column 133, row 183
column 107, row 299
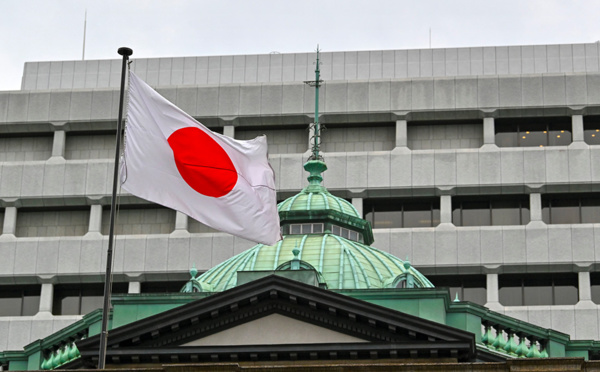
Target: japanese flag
column 173, row 160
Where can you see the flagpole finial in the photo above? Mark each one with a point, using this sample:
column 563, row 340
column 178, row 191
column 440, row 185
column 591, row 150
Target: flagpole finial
column 316, row 146
column 124, row 51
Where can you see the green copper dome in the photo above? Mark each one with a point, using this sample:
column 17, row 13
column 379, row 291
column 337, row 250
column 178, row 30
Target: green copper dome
column 329, row 236
column 343, row 263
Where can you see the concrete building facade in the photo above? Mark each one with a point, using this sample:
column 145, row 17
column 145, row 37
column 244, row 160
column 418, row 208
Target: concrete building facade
column 478, row 164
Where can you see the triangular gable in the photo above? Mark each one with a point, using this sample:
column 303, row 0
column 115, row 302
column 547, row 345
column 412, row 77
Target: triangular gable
column 378, row 332
column 274, row 329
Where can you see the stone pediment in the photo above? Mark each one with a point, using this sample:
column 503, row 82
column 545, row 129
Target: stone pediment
column 275, row 329
column 278, row 319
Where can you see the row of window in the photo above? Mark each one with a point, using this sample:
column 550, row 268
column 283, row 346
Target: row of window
column 482, row 210
column 543, row 131
column 514, row 290
column 440, row 134
column 504, row 210
column 69, row 299
column 319, row 228
column 520, row 289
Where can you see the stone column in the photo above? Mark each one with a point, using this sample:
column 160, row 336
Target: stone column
column 489, row 135
column 58, row 145
column 535, row 207
column 493, row 297
column 577, row 128
column 95, row 225
column 181, row 221
column 229, row 130
column 445, row 209
column 358, row 204
column 46, row 299
column 401, row 133
column 585, row 286
column 134, row 287
column 10, row 221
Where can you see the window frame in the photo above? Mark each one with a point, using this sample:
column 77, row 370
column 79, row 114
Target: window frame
column 460, row 289
column 25, row 291
column 524, row 278
column 548, row 125
column 524, row 208
column 403, row 202
column 580, row 198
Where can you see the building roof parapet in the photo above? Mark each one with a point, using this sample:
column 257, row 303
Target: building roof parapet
column 298, row 67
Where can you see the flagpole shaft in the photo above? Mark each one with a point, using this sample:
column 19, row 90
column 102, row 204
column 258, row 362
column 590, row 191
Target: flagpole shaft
column 125, row 52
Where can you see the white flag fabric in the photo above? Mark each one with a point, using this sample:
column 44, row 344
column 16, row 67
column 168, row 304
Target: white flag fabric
column 173, row 160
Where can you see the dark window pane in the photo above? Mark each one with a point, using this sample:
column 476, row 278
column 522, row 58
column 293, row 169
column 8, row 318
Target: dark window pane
column 533, row 138
column 537, row 290
column 564, row 211
column 506, row 134
column 477, row 295
column 476, row 214
column 506, row 212
column 10, row 306
column 436, row 216
column 306, row 228
column 161, row 287
column 595, row 282
column 546, row 210
column 417, row 218
column 31, row 304
column 591, row 130
column 566, row 290
column 510, row 290
column 511, row 296
column 525, row 215
column 445, row 280
column 559, row 137
column 456, row 217
column 592, row 136
column 90, row 303
column 19, row 300
column 596, row 294
column 590, row 210
column 538, row 295
column 507, row 139
column 469, row 287
column 318, row 228
column 387, row 220
column 369, row 217
column 296, row 229
column 68, row 305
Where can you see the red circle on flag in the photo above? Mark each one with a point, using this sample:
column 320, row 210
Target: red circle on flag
column 202, row 162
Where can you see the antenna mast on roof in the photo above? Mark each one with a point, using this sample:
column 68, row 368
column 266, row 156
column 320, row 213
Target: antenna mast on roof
column 84, row 28
column 316, row 147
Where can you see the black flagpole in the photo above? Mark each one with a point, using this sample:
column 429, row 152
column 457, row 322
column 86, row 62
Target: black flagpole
column 125, row 52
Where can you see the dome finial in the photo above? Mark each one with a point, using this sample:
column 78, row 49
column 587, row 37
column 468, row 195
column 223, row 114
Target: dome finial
column 295, row 264
column 193, row 271
column 315, row 168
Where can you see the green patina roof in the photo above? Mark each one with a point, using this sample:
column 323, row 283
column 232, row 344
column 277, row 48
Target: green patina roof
column 317, row 200
column 315, row 197
column 342, row 263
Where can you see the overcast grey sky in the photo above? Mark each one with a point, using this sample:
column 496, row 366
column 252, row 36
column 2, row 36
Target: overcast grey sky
column 50, row 30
